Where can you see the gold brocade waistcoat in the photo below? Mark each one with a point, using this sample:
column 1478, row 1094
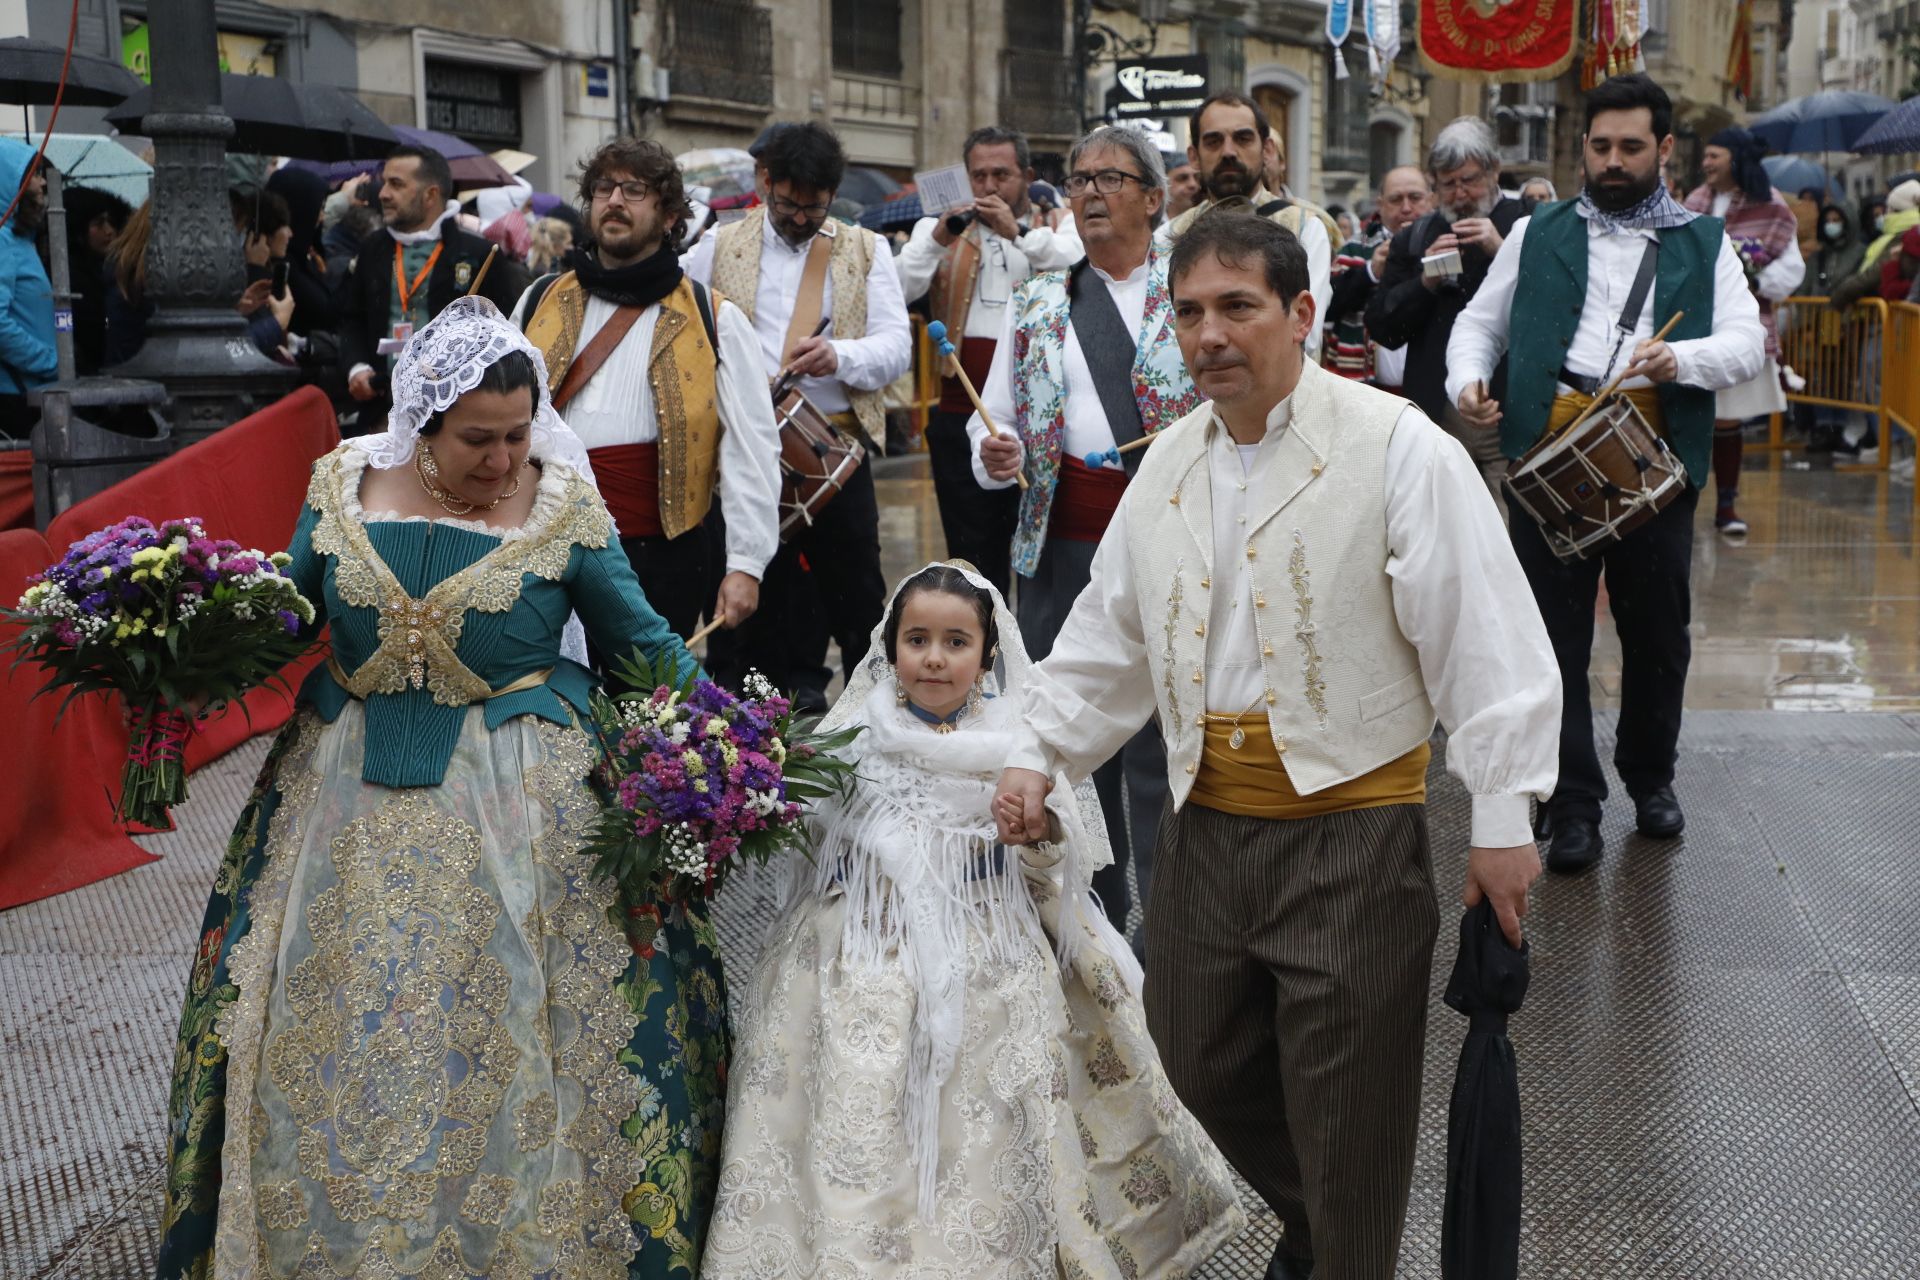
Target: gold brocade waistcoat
column 682, row 372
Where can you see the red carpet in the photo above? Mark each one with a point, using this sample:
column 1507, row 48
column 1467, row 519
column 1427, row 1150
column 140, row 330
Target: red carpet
column 58, row 785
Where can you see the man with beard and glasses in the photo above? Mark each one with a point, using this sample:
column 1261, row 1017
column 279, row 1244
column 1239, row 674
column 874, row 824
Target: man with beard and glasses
column 28, row 358
column 1763, row 227
column 1233, row 144
column 406, row 273
column 662, row 382
column 1566, row 334
column 790, row 269
column 1089, row 360
column 968, row 277
column 1435, row 267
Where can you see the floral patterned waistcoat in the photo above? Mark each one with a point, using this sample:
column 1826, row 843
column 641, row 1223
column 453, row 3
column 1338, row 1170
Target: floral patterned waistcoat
column 1160, row 385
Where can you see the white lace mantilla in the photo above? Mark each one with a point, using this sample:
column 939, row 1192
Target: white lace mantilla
column 445, row 360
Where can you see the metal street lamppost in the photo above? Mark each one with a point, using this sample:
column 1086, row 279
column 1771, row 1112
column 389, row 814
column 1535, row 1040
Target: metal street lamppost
column 197, row 344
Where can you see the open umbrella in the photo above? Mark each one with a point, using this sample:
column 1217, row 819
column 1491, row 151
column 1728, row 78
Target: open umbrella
column 1895, row 133
column 724, row 171
column 1794, row 174
column 472, row 167
column 867, row 186
column 30, row 72
column 1480, row 1224
column 901, row 211
column 275, row 117
column 97, row 161
column 1827, row 121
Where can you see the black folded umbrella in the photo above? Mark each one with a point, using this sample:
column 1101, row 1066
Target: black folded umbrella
column 275, row 117
column 30, row 73
column 1480, row 1227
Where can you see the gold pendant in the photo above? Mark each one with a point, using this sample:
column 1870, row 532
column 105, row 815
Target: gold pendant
column 946, row 727
column 1238, row 738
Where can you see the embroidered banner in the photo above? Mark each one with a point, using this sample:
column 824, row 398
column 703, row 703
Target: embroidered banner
column 1506, row 40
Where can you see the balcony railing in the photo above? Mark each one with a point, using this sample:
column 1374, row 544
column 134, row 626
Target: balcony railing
column 872, row 98
column 1036, row 93
column 720, row 49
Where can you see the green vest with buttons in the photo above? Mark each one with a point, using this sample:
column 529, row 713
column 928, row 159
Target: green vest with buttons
column 1546, row 311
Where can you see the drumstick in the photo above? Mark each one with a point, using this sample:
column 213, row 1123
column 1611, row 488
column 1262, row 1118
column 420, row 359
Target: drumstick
column 784, row 383
column 704, row 632
column 482, row 273
column 1620, row 377
column 938, row 332
column 1096, row 460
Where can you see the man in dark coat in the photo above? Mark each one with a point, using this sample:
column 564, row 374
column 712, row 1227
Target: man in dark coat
column 406, row 273
column 1416, row 302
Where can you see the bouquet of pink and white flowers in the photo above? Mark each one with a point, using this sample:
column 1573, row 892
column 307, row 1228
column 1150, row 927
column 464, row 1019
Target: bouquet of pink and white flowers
column 163, row 615
column 702, row 779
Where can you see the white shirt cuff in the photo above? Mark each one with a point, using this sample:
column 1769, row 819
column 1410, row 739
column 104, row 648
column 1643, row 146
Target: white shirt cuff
column 753, row 566
column 356, row 371
column 1028, row 752
column 1501, row 822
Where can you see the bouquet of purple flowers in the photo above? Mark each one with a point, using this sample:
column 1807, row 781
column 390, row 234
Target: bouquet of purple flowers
column 164, row 616
column 701, row 779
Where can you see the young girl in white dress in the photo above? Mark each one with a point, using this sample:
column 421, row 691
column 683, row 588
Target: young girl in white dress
column 942, row 1067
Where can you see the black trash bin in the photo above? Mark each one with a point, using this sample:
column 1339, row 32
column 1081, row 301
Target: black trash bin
column 94, row 433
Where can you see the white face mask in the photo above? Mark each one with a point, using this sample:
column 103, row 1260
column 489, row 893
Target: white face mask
column 1833, row 230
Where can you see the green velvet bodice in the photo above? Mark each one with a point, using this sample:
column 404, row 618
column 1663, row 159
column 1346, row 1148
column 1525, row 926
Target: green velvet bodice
column 429, row 618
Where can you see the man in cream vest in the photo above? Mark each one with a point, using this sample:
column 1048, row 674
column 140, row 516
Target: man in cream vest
column 790, row 269
column 662, row 383
column 1301, row 575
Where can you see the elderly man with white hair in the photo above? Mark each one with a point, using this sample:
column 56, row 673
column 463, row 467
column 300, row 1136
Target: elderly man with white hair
column 1433, row 270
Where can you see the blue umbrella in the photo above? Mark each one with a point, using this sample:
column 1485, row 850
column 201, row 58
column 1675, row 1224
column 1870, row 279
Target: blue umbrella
column 1828, row 121
column 901, row 211
column 1896, row 132
column 1793, row 175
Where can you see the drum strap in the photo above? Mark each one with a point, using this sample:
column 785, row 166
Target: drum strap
column 806, row 304
column 1636, row 303
column 588, row 362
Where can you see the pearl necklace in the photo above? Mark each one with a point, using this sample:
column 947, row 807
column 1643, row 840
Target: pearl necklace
column 429, row 472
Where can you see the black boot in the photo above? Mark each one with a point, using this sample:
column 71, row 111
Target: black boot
column 1285, row 1266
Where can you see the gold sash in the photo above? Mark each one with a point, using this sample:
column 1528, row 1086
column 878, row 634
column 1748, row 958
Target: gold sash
column 1250, row 782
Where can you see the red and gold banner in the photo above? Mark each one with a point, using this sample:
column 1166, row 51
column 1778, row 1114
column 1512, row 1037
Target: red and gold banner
column 1506, row 40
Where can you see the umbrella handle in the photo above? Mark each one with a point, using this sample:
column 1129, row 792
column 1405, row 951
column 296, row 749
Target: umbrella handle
column 481, row 274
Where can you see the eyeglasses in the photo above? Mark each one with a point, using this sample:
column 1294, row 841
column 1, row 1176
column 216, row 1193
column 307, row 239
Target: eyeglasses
column 785, row 208
column 1464, row 182
column 633, row 191
column 1107, row 182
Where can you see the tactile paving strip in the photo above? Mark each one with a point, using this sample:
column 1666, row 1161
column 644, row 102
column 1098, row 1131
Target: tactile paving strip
column 1720, row 1054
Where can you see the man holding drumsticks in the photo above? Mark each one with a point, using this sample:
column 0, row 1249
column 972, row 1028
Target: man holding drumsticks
column 1604, row 275
column 1089, row 362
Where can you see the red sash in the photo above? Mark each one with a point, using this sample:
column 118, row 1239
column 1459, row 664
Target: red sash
column 1084, row 502
column 976, row 357
column 629, row 479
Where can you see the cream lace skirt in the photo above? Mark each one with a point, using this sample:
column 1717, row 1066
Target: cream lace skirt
column 1063, row 1151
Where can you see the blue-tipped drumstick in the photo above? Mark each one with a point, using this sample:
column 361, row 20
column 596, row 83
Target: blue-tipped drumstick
column 938, row 332
column 1101, row 457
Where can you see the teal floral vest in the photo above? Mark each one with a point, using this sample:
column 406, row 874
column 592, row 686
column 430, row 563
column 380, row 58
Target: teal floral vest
column 1160, row 384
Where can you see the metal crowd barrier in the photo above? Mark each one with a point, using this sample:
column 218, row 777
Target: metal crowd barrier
column 1866, row 359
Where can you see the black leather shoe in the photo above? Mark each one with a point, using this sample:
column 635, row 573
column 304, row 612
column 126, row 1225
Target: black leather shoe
column 1543, row 825
column 1658, row 814
column 1285, row 1266
column 1576, row 845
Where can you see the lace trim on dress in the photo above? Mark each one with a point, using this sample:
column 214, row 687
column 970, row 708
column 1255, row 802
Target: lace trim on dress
column 419, row 638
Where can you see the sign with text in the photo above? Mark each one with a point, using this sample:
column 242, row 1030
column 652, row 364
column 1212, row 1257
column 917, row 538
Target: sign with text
column 943, row 189
column 478, row 103
column 1174, row 86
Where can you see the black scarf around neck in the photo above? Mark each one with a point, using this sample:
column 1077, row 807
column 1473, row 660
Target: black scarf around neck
column 640, row 284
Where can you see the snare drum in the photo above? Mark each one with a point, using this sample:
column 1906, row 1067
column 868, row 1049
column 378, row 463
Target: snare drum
column 1592, row 485
column 816, row 461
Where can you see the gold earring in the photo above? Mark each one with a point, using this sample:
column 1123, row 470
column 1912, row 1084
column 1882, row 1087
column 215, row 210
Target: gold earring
column 899, row 692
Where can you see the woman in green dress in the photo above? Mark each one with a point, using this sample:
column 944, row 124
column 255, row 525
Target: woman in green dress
column 416, row 1042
